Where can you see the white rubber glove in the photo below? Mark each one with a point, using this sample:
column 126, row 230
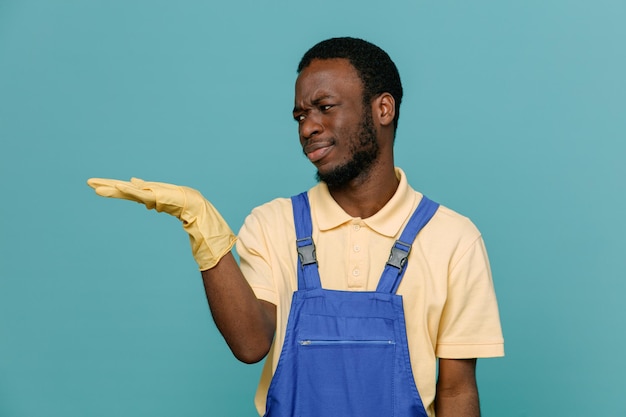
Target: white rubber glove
column 210, row 236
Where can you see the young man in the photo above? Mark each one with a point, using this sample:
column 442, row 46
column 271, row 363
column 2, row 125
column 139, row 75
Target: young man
column 347, row 101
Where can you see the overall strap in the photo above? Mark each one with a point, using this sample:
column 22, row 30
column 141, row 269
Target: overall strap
column 398, row 259
column 308, row 275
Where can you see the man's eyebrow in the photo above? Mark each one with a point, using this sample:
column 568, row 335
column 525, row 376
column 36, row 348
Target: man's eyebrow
column 321, row 98
column 315, row 102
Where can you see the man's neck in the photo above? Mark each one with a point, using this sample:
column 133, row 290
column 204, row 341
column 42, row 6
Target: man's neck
column 365, row 195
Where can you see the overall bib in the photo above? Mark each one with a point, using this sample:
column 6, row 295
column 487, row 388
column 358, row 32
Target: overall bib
column 345, row 353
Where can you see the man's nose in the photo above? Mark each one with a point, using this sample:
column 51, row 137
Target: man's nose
column 310, row 126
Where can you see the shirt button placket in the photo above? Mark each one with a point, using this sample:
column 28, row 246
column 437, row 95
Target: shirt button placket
column 356, row 277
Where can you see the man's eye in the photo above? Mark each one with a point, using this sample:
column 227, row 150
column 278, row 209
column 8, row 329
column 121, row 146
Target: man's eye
column 298, row 118
column 326, row 107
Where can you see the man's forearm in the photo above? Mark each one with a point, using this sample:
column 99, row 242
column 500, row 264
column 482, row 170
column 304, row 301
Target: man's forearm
column 457, row 392
column 460, row 405
column 247, row 323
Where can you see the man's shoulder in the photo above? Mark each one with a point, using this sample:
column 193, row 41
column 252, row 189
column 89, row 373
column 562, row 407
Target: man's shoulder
column 453, row 228
column 278, row 207
column 451, row 222
column 269, row 221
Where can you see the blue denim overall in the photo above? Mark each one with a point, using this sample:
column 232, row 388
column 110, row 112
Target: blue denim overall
column 345, row 353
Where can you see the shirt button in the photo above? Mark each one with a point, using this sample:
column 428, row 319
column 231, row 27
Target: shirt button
column 355, row 272
column 357, row 248
column 357, row 227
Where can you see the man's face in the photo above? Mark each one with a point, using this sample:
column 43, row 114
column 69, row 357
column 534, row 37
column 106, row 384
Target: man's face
column 335, row 128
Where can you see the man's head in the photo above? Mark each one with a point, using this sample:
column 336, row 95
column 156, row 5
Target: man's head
column 376, row 70
column 346, row 110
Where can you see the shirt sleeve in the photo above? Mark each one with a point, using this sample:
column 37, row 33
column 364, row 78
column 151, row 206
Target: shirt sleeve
column 470, row 322
column 255, row 259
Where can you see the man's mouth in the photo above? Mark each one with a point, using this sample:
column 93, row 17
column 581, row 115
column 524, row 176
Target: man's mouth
column 318, row 150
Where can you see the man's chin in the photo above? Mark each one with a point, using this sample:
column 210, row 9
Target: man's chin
column 337, row 177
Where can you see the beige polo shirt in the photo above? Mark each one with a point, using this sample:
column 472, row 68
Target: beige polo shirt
column 449, row 300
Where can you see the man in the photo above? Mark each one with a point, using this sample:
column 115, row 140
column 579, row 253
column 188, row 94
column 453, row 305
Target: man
column 347, row 101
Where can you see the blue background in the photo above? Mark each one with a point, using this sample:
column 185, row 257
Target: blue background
column 514, row 114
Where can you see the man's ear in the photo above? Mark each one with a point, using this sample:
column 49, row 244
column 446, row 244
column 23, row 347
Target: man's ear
column 384, row 108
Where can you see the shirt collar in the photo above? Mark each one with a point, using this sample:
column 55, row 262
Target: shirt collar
column 387, row 221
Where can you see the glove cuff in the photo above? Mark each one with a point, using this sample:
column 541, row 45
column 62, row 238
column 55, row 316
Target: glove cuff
column 210, row 236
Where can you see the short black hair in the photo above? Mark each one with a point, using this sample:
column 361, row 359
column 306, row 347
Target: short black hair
column 377, row 71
